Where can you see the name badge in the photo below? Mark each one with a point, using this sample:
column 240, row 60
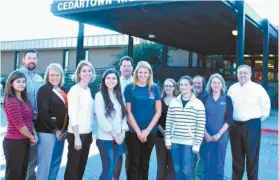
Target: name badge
column 223, row 103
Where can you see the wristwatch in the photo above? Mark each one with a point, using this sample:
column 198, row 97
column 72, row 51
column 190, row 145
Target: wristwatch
column 218, row 135
column 58, row 133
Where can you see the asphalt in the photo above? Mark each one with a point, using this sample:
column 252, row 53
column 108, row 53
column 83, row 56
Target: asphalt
column 268, row 161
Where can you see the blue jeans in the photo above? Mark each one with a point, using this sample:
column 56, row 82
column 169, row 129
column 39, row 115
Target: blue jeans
column 182, row 157
column 50, row 152
column 214, row 154
column 110, row 153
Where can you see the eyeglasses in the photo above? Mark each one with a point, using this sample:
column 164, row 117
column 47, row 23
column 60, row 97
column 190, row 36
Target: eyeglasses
column 168, row 86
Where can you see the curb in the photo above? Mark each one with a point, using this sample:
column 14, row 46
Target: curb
column 269, row 131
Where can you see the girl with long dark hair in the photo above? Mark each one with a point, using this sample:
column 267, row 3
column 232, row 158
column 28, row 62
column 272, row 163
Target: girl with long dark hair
column 111, row 116
column 20, row 132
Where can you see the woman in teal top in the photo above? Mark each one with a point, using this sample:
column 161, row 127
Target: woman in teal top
column 143, row 103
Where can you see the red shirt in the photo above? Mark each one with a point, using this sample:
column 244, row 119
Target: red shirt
column 19, row 114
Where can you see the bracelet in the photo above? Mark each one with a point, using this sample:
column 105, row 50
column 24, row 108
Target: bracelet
column 218, row 135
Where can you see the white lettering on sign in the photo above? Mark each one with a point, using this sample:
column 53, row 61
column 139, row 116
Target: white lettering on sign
column 77, row 4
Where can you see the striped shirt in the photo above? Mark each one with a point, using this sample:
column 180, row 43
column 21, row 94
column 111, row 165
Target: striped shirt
column 19, row 114
column 185, row 125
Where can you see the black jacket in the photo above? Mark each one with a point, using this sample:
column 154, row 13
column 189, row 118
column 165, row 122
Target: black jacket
column 51, row 110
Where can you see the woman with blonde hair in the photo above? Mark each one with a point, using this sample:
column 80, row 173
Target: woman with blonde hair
column 80, row 103
column 143, row 103
column 52, row 122
column 219, row 115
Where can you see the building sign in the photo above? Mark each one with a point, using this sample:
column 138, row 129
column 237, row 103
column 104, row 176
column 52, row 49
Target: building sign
column 80, row 4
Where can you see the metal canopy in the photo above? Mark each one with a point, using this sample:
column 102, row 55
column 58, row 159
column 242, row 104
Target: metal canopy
column 198, row 26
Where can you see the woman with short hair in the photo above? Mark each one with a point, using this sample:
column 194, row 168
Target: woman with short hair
column 80, row 103
column 143, row 101
column 52, row 122
column 20, row 131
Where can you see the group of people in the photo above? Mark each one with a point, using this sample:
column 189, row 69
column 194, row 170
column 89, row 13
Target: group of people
column 190, row 129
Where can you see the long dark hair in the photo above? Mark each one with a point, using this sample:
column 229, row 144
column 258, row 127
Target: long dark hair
column 9, row 89
column 110, row 111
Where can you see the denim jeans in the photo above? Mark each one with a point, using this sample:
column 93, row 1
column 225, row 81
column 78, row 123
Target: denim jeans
column 214, row 156
column 198, row 166
column 110, row 152
column 182, row 157
column 50, row 152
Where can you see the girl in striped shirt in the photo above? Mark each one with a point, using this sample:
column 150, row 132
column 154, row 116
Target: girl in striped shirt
column 184, row 128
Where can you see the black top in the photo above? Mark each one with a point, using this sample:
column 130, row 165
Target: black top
column 51, row 110
column 162, row 120
column 184, row 102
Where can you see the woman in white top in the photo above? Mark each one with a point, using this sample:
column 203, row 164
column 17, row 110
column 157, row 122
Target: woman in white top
column 112, row 122
column 80, row 103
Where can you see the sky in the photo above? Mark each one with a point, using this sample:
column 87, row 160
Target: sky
column 32, row 19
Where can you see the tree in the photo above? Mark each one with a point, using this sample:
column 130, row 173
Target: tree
column 145, row 51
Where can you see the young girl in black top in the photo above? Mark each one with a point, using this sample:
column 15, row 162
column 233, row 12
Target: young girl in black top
column 164, row 161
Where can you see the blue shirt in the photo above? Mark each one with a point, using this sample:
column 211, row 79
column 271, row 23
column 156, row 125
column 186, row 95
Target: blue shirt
column 142, row 104
column 217, row 113
column 33, row 84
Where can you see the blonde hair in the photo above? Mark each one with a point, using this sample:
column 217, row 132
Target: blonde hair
column 80, row 65
column 58, row 68
column 146, row 65
column 208, row 85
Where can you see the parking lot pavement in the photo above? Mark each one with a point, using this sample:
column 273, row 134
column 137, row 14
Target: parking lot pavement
column 268, row 164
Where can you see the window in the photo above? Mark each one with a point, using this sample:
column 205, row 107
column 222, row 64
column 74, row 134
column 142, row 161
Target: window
column 194, row 59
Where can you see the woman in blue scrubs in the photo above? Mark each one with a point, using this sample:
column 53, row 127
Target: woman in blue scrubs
column 219, row 115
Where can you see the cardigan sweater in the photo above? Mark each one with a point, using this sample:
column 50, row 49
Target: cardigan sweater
column 185, row 125
column 51, row 110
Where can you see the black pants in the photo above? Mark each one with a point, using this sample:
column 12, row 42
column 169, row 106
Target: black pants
column 139, row 156
column 77, row 159
column 165, row 169
column 245, row 142
column 17, row 155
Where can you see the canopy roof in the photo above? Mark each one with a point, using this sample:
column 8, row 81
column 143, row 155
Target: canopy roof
column 199, row 26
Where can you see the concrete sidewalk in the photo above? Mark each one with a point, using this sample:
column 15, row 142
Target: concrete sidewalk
column 270, row 125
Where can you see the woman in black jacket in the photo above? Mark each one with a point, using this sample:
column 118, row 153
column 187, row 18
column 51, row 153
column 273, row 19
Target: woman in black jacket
column 52, row 123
